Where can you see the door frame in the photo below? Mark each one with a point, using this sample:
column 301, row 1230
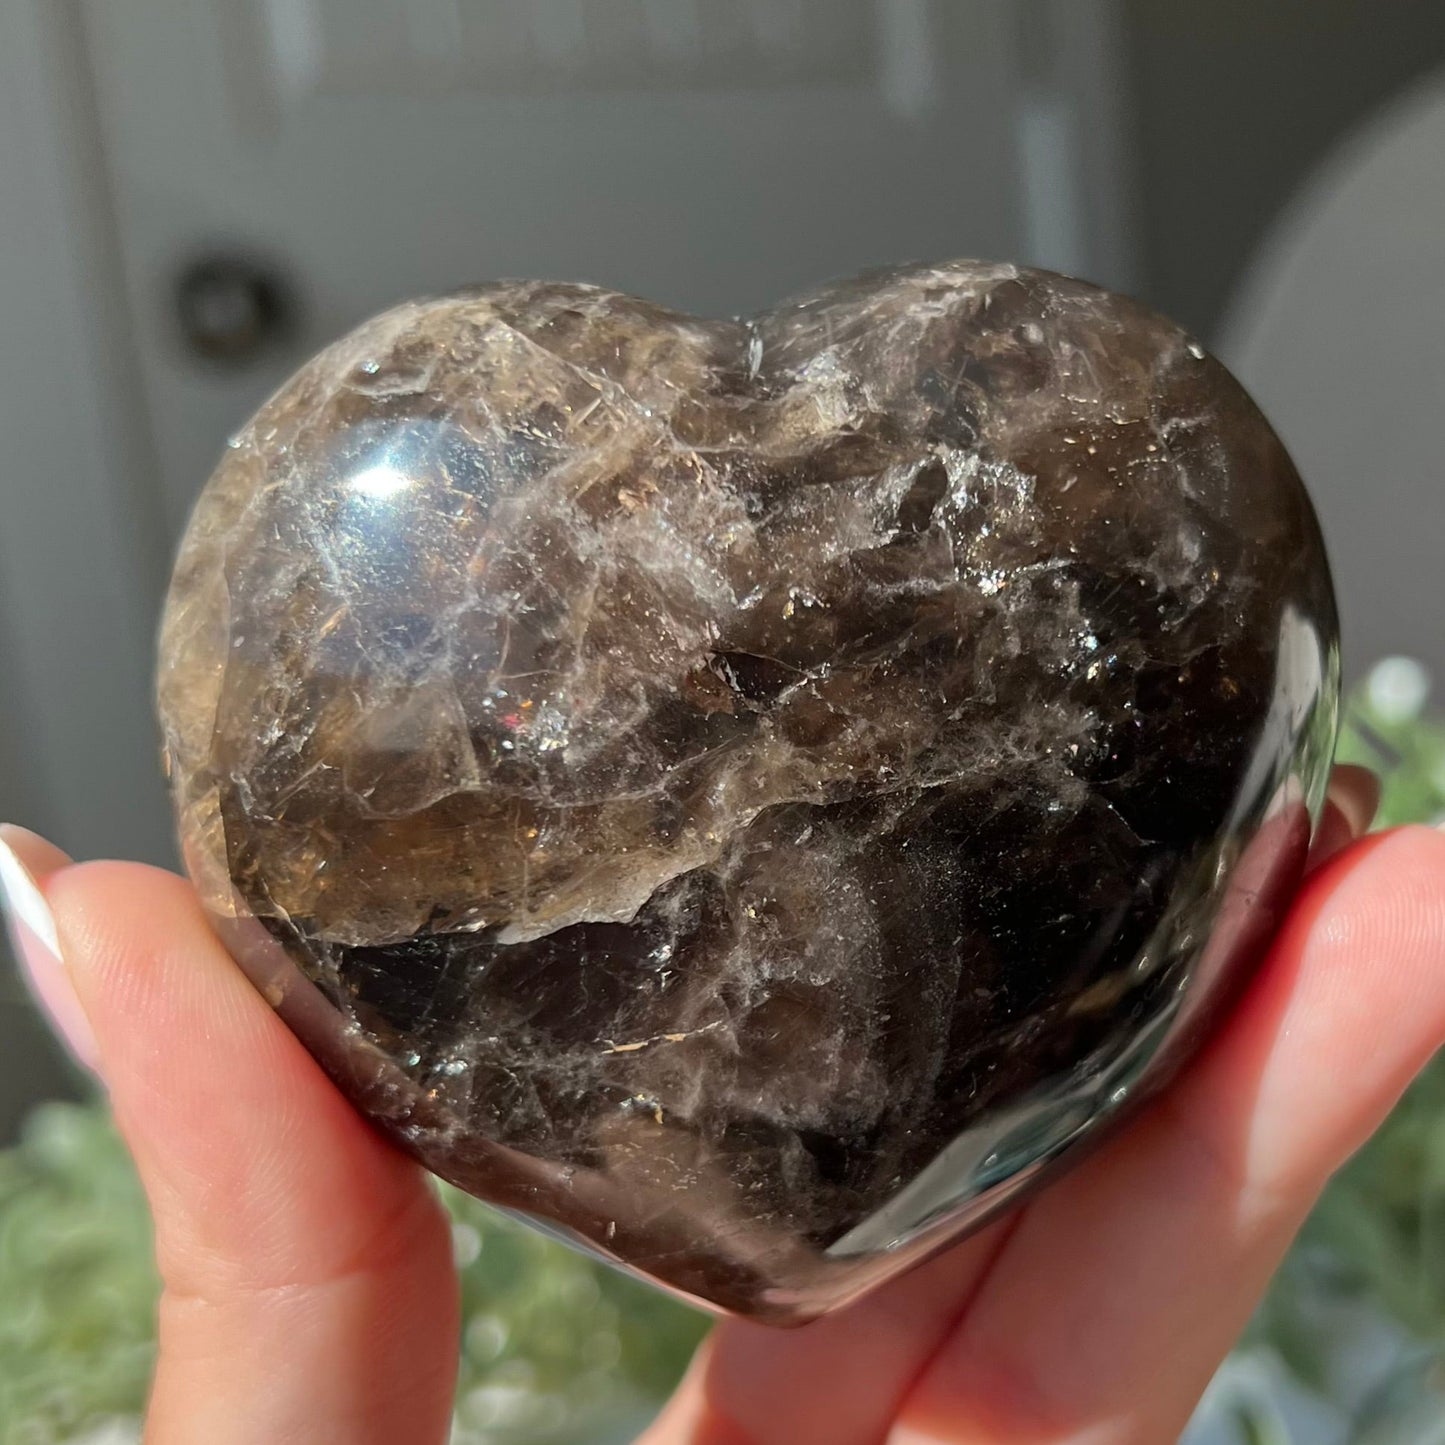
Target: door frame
column 81, row 542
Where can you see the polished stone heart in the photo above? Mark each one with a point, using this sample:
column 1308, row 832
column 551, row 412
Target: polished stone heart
column 752, row 795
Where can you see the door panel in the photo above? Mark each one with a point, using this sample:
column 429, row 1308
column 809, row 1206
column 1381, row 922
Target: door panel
column 711, row 156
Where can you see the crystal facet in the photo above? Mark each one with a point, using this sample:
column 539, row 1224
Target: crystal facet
column 752, row 795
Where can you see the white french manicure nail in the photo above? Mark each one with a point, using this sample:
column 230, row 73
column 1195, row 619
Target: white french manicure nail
column 37, row 948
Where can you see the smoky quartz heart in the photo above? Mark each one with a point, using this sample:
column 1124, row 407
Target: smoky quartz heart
column 752, row 796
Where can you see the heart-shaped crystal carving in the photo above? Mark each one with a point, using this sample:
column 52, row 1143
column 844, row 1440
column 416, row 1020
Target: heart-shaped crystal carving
column 752, row 795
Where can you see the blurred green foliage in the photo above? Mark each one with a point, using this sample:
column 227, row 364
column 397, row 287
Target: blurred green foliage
column 1377, row 1236
column 77, row 1286
column 1384, row 1218
column 557, row 1348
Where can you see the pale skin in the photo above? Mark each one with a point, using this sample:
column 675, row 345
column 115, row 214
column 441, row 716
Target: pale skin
column 309, row 1289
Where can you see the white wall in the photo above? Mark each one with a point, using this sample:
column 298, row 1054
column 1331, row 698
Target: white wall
column 1339, row 330
column 80, row 546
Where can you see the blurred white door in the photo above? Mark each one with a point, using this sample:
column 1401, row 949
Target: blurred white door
column 714, row 154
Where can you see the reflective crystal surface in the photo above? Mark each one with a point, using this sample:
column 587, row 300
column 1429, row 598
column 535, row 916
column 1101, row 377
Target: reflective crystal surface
column 752, row 795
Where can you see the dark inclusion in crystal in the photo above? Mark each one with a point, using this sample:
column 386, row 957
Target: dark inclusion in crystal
column 752, row 794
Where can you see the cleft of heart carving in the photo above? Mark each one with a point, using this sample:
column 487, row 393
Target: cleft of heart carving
column 753, row 796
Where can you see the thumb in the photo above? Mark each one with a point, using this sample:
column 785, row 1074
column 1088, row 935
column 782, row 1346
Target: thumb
column 309, row 1291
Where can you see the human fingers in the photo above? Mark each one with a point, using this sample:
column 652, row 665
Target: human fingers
column 309, row 1290
column 1350, row 805
column 841, row 1380
column 838, row 1381
column 1124, row 1286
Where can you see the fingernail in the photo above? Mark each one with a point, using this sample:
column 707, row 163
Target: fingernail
column 37, row 948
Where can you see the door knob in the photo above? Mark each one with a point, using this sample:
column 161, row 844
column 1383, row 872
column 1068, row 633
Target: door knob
column 233, row 308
